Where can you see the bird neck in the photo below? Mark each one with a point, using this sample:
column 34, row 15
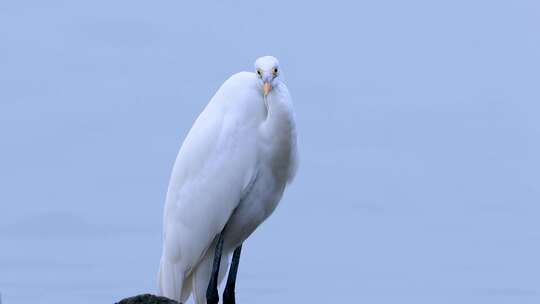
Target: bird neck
column 278, row 135
column 279, row 123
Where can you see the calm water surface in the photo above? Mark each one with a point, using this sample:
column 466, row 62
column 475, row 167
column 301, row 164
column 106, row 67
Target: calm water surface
column 418, row 127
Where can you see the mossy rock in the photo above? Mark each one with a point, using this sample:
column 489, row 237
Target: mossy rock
column 147, row 299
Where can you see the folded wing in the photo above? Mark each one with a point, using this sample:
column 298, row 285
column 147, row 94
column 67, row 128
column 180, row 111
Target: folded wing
column 214, row 165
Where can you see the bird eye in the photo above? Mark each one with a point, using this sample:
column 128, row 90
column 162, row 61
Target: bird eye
column 259, row 72
column 275, row 71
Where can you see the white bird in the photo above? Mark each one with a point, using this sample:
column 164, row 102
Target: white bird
column 229, row 176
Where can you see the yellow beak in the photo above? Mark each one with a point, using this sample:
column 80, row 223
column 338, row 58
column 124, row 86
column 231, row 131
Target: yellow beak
column 267, row 87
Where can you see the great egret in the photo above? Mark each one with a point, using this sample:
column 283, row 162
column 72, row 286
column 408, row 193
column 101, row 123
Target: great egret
column 228, row 177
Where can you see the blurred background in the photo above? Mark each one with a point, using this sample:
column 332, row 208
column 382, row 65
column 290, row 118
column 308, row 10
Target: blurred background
column 418, row 135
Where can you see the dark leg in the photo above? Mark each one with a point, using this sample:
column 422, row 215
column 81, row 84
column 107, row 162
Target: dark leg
column 228, row 293
column 212, row 296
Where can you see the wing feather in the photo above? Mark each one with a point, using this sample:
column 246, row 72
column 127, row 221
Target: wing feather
column 214, row 165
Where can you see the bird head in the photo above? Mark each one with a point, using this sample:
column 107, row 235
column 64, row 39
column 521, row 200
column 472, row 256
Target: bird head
column 267, row 70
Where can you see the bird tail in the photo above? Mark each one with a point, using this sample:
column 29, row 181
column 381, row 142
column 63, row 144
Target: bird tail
column 171, row 280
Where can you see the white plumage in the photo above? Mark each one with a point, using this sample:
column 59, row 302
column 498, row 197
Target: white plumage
column 231, row 172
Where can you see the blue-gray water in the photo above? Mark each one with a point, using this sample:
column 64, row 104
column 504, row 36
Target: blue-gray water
column 419, row 142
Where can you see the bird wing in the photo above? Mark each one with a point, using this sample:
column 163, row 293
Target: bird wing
column 215, row 164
